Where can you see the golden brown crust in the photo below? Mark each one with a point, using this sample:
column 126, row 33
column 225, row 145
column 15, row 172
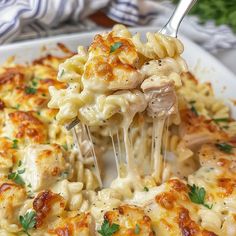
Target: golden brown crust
column 188, row 226
column 43, row 205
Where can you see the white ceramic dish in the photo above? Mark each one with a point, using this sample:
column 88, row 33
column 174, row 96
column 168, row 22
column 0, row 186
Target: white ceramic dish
column 201, row 63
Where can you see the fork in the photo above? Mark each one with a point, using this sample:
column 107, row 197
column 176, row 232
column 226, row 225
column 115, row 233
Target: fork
column 170, row 29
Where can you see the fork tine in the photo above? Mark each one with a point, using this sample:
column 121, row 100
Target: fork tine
column 72, row 124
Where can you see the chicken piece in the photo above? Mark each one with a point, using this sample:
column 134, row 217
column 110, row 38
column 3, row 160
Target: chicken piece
column 12, row 197
column 111, row 64
column 196, row 130
column 24, row 126
column 171, row 211
column 44, row 165
column 131, row 220
column 7, row 155
column 48, row 207
column 212, row 155
column 79, row 225
column 167, row 70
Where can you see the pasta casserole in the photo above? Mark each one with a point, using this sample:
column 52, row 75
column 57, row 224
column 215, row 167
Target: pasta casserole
column 142, row 114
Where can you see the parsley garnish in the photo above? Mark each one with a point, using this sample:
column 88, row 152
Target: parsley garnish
column 197, row 195
column 17, row 106
column 64, row 174
column 28, row 221
column 107, row 229
column 15, row 143
column 65, row 146
column 218, row 120
column 137, row 229
column 34, row 83
column 115, row 46
column 224, row 147
column 192, row 108
column 61, row 73
column 146, row 189
column 15, row 176
column 30, row 90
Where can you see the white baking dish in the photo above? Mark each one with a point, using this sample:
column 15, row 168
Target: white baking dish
column 201, row 63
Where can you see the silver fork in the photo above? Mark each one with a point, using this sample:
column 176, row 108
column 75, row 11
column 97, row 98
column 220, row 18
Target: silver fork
column 170, row 29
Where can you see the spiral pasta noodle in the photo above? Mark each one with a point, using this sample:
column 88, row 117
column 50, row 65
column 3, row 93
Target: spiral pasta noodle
column 158, row 46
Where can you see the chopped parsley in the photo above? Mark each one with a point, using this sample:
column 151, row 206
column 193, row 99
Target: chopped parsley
column 146, row 189
column 28, row 221
column 34, row 83
column 224, row 147
column 64, row 174
column 193, row 108
column 44, row 94
column 15, row 144
column 218, row 120
column 115, row 46
column 137, row 229
column 108, row 229
column 65, row 146
column 17, row 106
column 15, row 176
column 30, row 90
column 197, row 195
column 61, row 73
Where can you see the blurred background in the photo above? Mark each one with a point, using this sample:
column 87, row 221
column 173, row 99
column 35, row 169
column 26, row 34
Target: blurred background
column 211, row 23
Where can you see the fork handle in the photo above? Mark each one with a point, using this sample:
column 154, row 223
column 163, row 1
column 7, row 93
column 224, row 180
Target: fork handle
column 172, row 26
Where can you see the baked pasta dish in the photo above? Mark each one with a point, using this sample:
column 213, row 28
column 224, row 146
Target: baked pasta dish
column 142, row 117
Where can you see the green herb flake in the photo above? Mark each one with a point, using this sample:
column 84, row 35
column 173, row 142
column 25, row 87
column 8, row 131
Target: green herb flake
column 65, row 146
column 15, row 176
column 38, row 113
column 61, row 73
column 15, row 144
column 137, row 229
column 194, row 110
column 21, row 171
column 224, row 147
column 64, row 174
column 34, row 83
column 17, row 106
column 197, row 195
column 28, row 221
column 44, row 94
column 115, row 46
column 146, row 189
column 218, row 120
column 30, row 90
column 108, row 229
column 19, row 163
